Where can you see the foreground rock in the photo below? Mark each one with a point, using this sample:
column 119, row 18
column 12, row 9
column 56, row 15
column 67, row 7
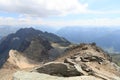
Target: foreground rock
column 59, row 69
column 83, row 62
column 21, row 75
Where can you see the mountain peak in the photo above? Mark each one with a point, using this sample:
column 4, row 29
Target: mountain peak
column 26, row 29
column 29, row 41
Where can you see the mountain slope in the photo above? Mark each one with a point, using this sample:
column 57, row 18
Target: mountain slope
column 81, row 62
column 33, row 43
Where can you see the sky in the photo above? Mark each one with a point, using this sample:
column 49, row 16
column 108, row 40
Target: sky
column 60, row 13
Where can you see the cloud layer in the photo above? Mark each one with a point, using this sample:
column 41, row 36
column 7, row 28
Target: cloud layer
column 56, row 13
column 42, row 8
column 87, row 22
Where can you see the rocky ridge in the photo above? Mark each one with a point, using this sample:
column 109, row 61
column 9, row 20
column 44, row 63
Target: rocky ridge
column 83, row 62
column 17, row 59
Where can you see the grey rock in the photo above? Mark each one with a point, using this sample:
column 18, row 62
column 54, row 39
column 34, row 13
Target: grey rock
column 58, row 69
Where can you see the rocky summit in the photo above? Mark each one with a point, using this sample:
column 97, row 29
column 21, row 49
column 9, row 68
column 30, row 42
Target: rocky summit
column 34, row 44
column 81, row 62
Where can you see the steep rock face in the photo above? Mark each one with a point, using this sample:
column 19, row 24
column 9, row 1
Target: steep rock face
column 34, row 44
column 86, row 61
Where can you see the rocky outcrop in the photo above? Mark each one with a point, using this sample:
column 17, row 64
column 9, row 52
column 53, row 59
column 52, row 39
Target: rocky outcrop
column 59, row 69
column 86, row 61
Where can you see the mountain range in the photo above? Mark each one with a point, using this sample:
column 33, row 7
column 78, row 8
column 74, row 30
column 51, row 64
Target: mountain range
column 106, row 37
column 33, row 54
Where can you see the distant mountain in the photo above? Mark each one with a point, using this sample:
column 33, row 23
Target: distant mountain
column 110, row 41
column 34, row 44
column 6, row 29
column 106, row 37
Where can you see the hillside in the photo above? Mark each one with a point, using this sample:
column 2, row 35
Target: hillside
column 81, row 62
column 16, row 61
column 34, row 44
column 84, row 61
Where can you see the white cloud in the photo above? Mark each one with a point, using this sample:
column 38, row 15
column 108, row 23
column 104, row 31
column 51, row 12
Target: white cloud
column 32, row 12
column 87, row 22
column 42, row 8
column 81, row 22
column 19, row 21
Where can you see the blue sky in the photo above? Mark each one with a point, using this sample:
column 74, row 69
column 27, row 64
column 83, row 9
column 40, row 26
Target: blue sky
column 59, row 13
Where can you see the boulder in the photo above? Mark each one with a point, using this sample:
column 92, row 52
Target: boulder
column 59, row 69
